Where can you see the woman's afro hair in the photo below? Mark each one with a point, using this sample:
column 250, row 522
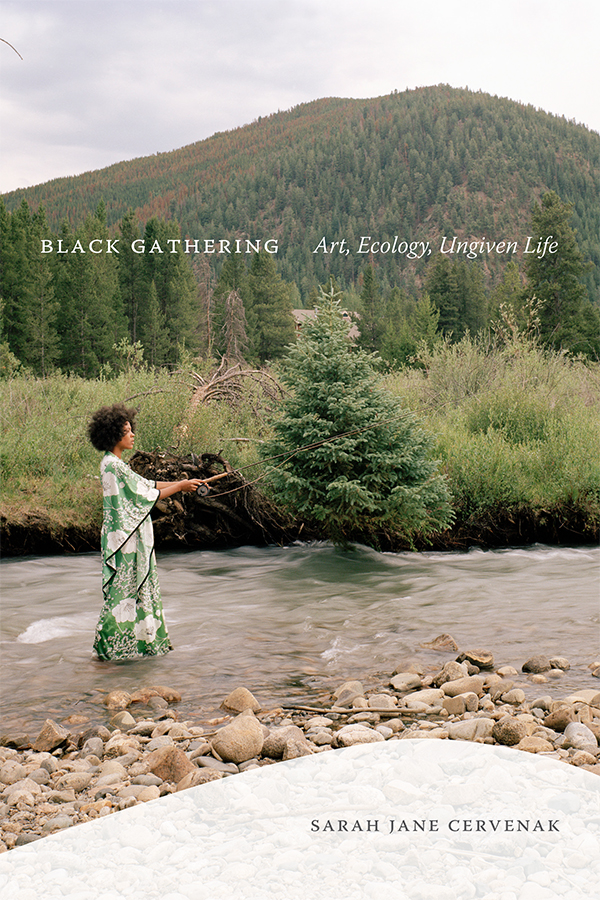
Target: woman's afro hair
column 107, row 425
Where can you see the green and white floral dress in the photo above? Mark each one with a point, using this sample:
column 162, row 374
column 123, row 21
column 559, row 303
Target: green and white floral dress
column 131, row 623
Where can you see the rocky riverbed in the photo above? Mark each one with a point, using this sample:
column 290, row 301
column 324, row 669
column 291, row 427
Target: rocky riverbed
column 75, row 771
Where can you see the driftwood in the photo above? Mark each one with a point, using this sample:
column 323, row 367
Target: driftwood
column 232, row 514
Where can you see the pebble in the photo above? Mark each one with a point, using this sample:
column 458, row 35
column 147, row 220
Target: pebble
column 67, row 778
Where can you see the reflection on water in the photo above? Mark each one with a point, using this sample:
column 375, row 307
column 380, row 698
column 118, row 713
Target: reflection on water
column 291, row 622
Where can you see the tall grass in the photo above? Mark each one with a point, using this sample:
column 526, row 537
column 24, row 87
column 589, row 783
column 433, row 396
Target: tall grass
column 516, row 427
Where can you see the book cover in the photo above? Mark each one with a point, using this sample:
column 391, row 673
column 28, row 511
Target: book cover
column 332, row 721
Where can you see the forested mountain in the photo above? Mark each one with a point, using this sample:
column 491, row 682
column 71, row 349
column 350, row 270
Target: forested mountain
column 438, row 212
column 420, row 165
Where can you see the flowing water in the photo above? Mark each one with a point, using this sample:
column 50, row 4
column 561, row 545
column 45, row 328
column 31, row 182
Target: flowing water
column 290, row 623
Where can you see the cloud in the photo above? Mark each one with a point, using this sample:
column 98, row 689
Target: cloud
column 103, row 81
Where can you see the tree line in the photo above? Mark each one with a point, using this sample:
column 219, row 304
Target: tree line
column 91, row 313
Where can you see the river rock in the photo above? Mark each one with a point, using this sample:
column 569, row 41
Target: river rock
column 355, row 686
column 121, row 745
column 117, row 700
column 56, row 824
column 239, row 700
column 198, row 776
column 560, row 662
column 455, row 706
column 167, row 693
column 382, row 701
column 79, row 781
column 472, row 683
column 476, row 729
column 509, row 731
column 275, row 742
column 443, row 643
column 451, row 671
column 536, row 665
column 297, row 747
column 122, row 719
column 429, row 697
column 483, row 659
column 93, row 747
column 560, row 718
column 534, row 744
column 590, row 697
column 51, row 736
column 583, row 758
column 580, row 737
column 507, row 672
column 405, row 681
column 514, row 697
column 16, row 739
column 12, row 771
column 143, row 696
column 350, row 735
column 169, row 763
column 241, row 740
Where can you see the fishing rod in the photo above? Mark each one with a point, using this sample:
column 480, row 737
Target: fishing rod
column 204, row 489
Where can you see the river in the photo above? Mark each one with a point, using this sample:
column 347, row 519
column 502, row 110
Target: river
column 291, row 623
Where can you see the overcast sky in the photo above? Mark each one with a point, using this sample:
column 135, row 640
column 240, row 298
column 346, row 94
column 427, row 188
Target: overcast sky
column 103, row 81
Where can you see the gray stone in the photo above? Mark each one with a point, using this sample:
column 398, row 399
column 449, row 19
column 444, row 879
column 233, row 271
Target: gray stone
column 451, row 671
column 241, row 740
column 209, row 762
column 275, row 743
column 476, row 729
column 536, row 665
column 590, row 697
column 156, row 743
column 93, row 747
column 470, row 684
column 353, row 686
column 143, row 728
column 515, row 697
column 122, row 719
column 57, row 824
column 147, row 780
column 382, row 701
column 560, row 662
column 430, row 697
column 40, row 776
column 78, row 781
column 405, row 681
column 12, row 771
column 580, row 737
column 356, row 734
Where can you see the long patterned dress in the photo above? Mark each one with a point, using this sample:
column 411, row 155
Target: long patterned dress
column 131, row 624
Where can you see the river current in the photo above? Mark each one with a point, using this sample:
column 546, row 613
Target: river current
column 291, row 623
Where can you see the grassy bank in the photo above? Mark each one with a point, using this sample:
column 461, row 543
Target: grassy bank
column 517, row 432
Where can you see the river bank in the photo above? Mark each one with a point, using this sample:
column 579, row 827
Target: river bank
column 78, row 770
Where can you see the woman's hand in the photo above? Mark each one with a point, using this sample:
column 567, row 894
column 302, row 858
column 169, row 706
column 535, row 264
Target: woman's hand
column 186, row 486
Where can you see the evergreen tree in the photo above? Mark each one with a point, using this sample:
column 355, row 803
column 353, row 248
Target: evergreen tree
column 566, row 322
column 372, row 324
column 369, row 472
column 268, row 310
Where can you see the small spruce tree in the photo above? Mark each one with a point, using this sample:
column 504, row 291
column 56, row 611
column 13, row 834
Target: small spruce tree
column 369, row 472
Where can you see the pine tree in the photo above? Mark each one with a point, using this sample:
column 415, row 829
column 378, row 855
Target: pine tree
column 268, row 309
column 553, row 278
column 369, row 472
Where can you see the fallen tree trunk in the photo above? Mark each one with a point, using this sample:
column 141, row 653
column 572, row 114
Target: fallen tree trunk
column 232, row 514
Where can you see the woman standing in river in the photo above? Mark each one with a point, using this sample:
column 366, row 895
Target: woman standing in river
column 131, row 624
